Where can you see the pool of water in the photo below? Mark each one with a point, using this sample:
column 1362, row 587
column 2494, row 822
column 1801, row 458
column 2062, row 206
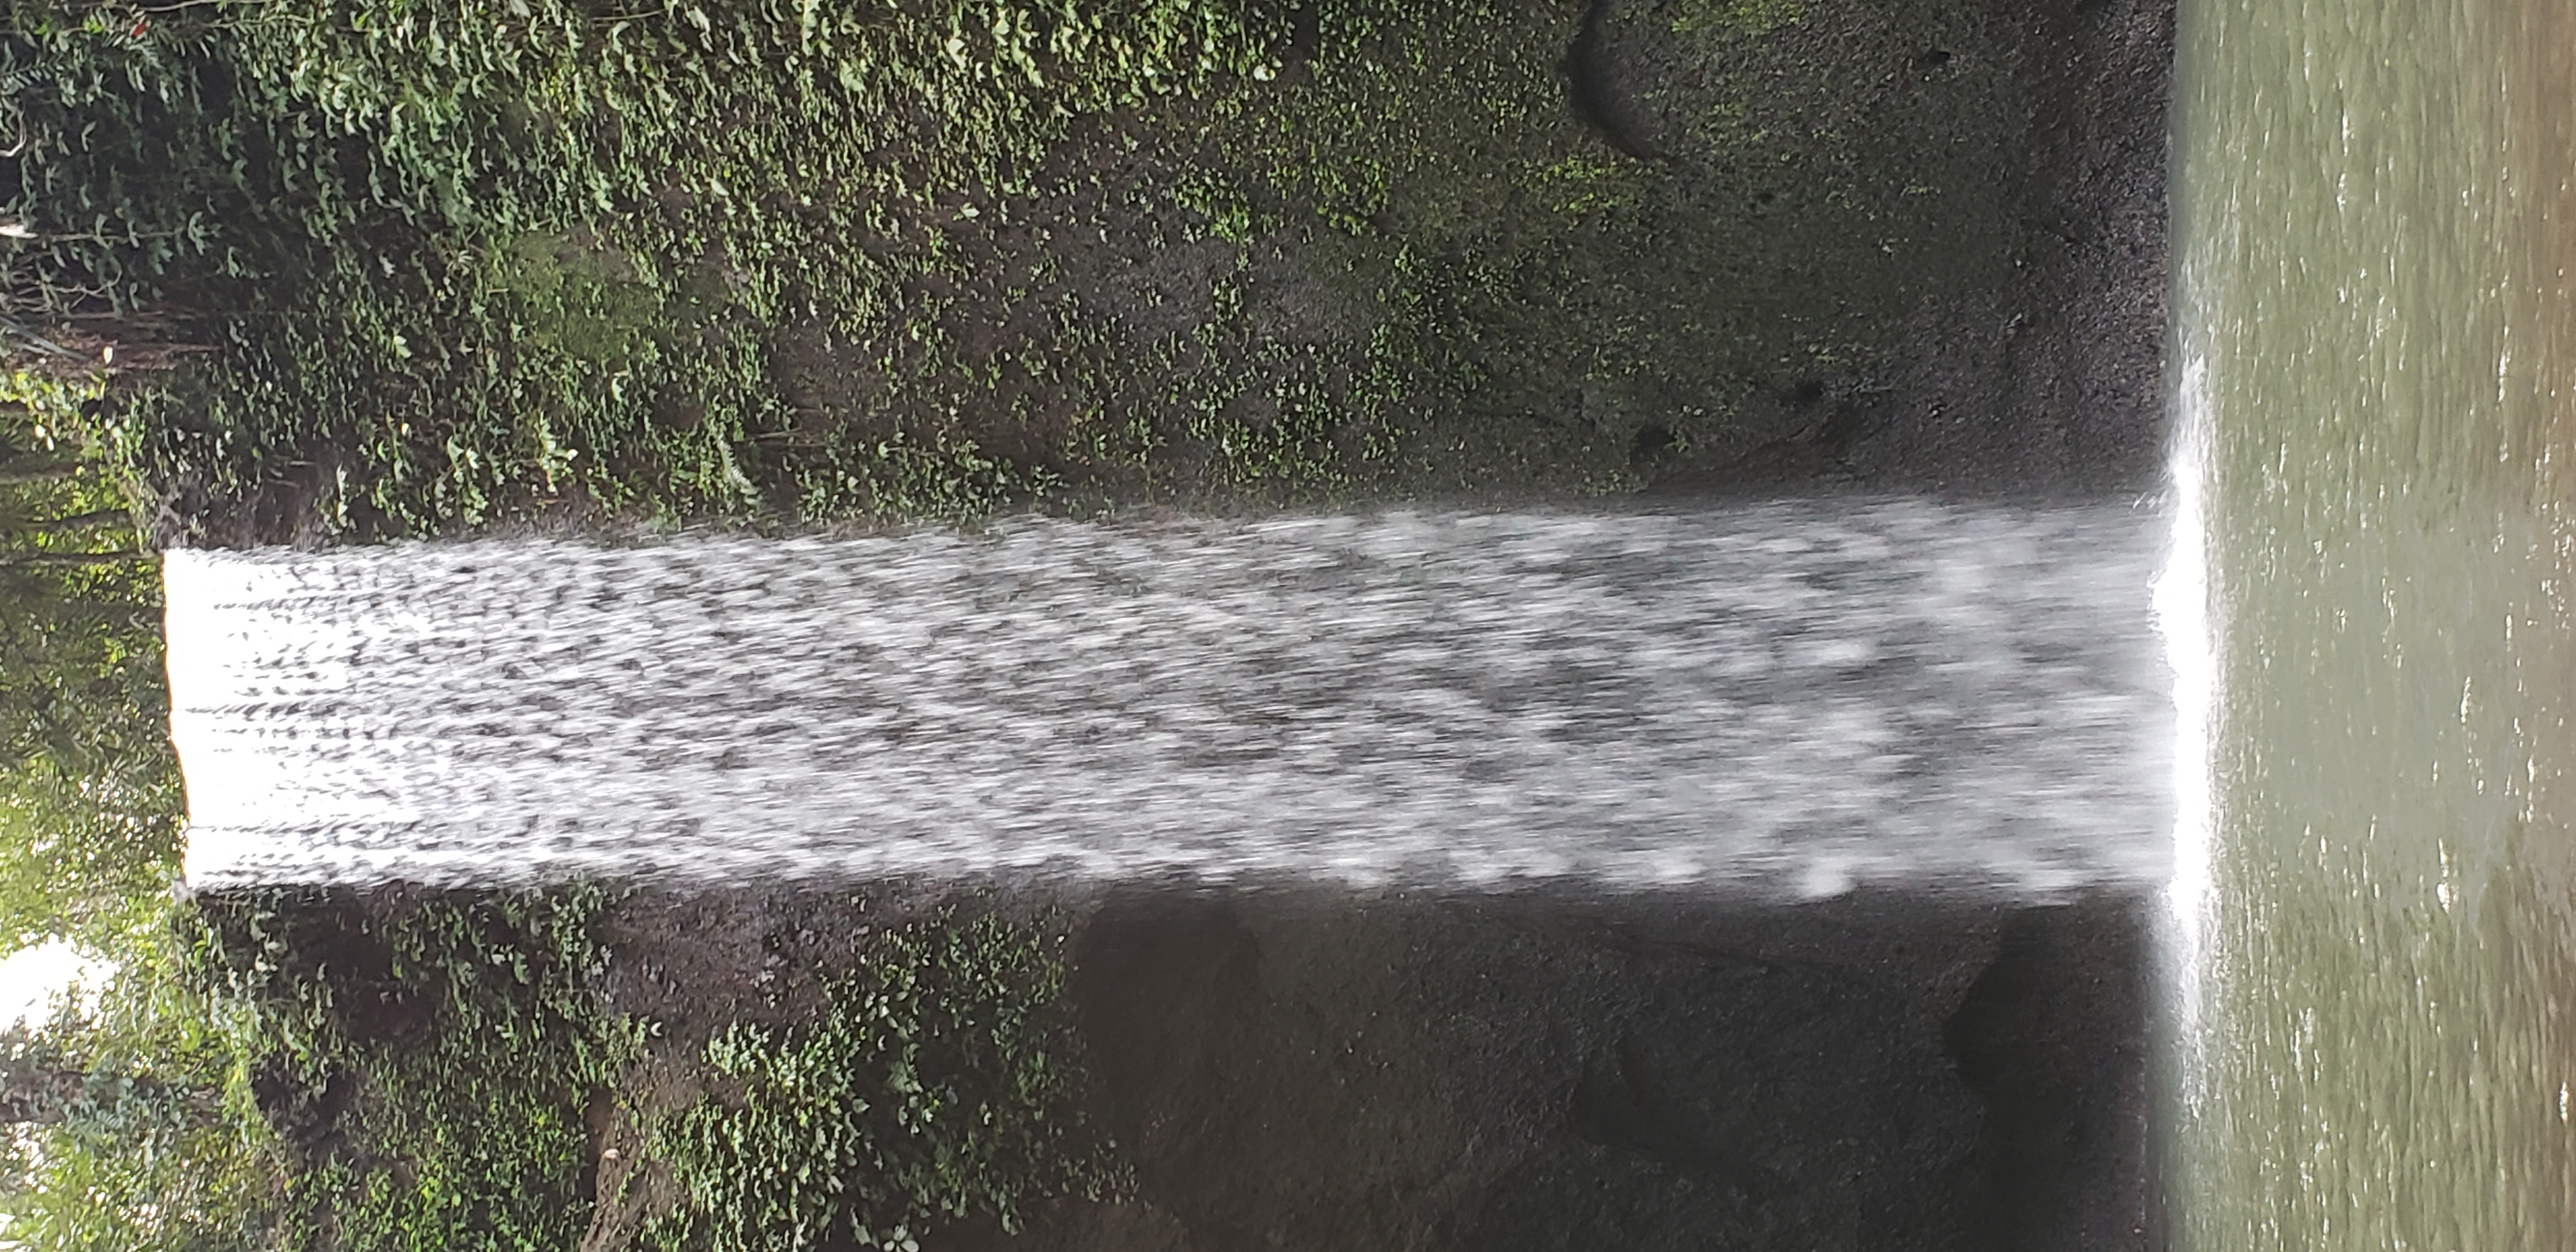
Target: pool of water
column 2374, row 955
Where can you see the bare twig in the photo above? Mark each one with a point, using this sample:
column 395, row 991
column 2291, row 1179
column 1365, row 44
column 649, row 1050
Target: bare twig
column 35, row 340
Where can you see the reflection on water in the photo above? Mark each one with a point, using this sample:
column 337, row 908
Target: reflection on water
column 2374, row 219
column 1798, row 699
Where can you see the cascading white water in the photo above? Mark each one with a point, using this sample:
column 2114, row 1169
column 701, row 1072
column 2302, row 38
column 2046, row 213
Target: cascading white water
column 1794, row 698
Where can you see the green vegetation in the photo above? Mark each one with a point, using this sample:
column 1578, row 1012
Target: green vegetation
column 426, row 1064
column 429, row 264
column 940, row 1083
column 89, row 789
column 408, row 1070
column 134, row 1131
column 124, row 1141
column 327, row 269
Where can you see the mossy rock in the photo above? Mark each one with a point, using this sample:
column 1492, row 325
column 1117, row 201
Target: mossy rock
column 963, row 257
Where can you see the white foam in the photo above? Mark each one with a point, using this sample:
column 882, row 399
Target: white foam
column 1806, row 697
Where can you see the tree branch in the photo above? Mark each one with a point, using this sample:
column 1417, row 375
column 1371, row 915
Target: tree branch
column 24, row 472
column 96, row 519
column 24, row 560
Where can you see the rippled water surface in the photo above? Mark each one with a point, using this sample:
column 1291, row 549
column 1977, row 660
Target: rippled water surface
column 2378, row 901
column 1789, row 698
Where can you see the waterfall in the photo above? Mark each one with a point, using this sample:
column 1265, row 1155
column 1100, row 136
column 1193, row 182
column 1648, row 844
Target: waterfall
column 1790, row 699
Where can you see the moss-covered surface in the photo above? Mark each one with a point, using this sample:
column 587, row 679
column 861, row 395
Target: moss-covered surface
column 434, row 1070
column 1130, row 1069
column 1141, row 1070
column 784, row 263
column 419, row 1062
column 778, row 263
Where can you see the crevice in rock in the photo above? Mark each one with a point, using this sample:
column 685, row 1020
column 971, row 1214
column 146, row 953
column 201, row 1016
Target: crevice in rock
column 1597, row 91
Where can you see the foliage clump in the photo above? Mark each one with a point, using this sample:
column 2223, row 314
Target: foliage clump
column 944, row 1081
column 438, row 262
column 403, row 1070
column 338, row 203
column 89, row 786
column 426, row 1062
column 132, row 1130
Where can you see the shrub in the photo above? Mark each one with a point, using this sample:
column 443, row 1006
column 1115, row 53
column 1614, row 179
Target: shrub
column 427, row 1061
column 944, row 1082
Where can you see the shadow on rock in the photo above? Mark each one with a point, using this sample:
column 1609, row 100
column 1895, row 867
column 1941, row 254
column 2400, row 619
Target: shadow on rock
column 1294, row 1070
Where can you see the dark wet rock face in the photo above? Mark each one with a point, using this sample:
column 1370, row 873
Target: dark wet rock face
column 2056, row 1163
column 2008, row 159
column 2055, row 377
column 1598, row 87
column 1507, row 1074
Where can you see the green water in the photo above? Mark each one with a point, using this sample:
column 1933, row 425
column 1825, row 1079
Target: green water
column 2378, row 918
